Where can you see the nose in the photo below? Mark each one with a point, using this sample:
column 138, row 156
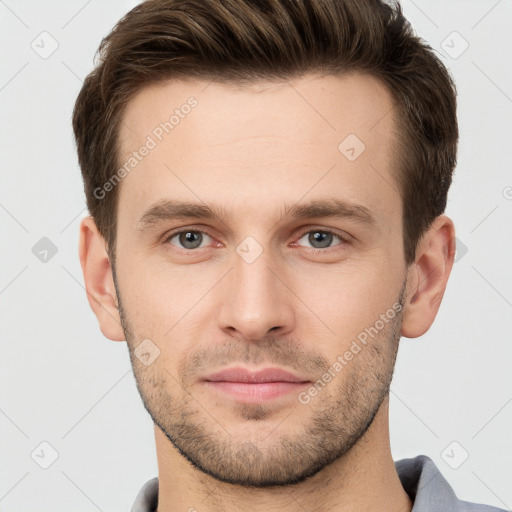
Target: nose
column 255, row 301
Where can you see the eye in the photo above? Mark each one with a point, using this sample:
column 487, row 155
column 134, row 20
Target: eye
column 322, row 239
column 188, row 239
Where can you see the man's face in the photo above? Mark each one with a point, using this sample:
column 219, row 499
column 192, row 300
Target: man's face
column 257, row 286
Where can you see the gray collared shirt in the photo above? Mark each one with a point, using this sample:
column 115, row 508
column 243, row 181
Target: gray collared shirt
column 423, row 482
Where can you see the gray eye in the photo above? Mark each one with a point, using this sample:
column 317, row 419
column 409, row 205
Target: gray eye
column 318, row 239
column 189, row 239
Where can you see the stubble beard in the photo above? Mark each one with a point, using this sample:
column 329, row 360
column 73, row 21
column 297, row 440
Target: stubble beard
column 338, row 418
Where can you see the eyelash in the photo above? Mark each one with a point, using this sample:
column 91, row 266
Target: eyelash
column 344, row 240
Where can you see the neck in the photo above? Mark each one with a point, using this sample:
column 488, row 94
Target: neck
column 363, row 479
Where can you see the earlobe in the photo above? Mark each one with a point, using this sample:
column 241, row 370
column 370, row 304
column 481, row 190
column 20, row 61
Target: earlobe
column 428, row 277
column 99, row 283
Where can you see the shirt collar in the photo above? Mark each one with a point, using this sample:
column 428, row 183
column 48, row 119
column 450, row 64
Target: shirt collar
column 425, row 485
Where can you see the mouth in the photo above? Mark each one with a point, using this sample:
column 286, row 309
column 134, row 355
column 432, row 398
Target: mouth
column 257, row 386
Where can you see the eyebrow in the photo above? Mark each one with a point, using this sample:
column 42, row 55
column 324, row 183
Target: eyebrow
column 169, row 209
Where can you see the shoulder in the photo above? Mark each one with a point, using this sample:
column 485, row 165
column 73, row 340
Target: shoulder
column 147, row 498
column 430, row 491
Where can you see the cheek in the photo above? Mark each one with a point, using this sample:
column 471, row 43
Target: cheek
column 168, row 307
column 345, row 301
column 157, row 294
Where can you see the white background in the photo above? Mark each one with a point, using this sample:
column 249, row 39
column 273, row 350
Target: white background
column 62, row 382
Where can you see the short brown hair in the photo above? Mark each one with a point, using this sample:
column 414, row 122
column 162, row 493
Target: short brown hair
column 240, row 41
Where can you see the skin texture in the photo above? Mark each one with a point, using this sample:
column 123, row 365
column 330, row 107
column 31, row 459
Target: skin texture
column 248, row 152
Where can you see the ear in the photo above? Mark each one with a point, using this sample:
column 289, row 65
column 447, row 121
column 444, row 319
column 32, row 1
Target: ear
column 99, row 283
column 427, row 277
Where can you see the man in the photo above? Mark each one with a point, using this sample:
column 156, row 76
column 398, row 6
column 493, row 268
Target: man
column 266, row 182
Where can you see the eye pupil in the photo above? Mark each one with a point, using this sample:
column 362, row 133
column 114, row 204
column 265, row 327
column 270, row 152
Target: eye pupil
column 189, row 239
column 321, row 237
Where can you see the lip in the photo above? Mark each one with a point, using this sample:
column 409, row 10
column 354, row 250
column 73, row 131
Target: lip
column 239, row 374
column 255, row 386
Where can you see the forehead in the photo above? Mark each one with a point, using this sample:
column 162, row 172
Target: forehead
column 218, row 144
column 348, row 102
